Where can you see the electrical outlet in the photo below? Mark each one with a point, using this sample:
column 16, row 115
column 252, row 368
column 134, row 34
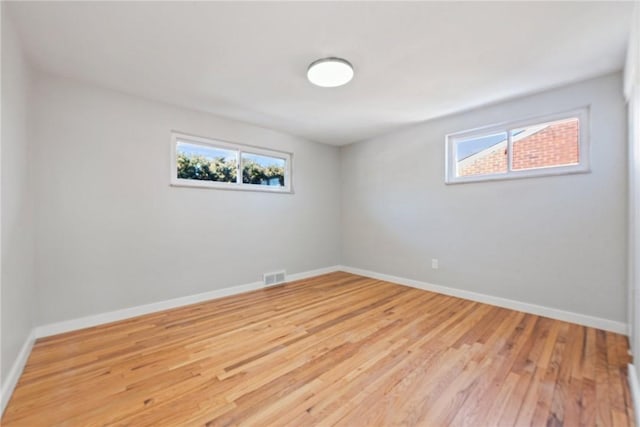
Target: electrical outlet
column 434, row 263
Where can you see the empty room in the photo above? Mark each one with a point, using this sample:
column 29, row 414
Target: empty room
column 320, row 213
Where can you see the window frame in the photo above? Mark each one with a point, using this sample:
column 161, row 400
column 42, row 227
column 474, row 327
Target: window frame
column 584, row 165
column 240, row 149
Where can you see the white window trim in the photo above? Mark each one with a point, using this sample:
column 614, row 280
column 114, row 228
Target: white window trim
column 240, row 148
column 582, row 114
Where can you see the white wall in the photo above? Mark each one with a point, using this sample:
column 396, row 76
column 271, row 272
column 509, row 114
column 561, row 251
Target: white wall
column 113, row 234
column 556, row 241
column 17, row 278
column 632, row 95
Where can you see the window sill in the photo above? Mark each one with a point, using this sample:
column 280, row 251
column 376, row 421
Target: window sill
column 230, row 186
column 553, row 171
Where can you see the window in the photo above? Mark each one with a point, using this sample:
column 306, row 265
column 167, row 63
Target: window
column 202, row 162
column 550, row 145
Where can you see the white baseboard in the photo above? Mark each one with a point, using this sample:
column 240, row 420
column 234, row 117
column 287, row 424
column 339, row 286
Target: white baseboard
column 126, row 313
column 312, row 273
column 15, row 371
column 113, row 316
column 634, row 385
column 567, row 316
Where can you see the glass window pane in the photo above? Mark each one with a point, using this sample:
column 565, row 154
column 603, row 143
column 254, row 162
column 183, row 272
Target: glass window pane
column 546, row 145
column 263, row 170
column 484, row 155
column 206, row 163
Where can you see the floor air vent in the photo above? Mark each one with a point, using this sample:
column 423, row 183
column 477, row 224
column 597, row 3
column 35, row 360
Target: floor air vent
column 274, row 278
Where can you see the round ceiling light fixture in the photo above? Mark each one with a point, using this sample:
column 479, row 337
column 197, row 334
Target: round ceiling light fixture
column 330, row 72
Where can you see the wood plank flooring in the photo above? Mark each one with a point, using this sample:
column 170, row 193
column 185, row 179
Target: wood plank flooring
column 338, row 349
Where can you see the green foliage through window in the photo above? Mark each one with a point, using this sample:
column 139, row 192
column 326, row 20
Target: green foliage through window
column 253, row 173
column 221, row 164
column 220, row 169
column 201, row 168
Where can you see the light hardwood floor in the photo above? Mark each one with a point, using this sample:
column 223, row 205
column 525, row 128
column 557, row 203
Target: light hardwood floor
column 337, row 349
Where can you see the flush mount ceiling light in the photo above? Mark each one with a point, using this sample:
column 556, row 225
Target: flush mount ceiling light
column 330, row 72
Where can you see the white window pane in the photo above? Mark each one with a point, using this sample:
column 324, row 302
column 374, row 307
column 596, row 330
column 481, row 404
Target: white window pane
column 484, row 155
column 206, row 163
column 546, row 145
column 263, row 170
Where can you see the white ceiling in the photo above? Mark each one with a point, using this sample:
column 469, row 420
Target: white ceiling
column 413, row 60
